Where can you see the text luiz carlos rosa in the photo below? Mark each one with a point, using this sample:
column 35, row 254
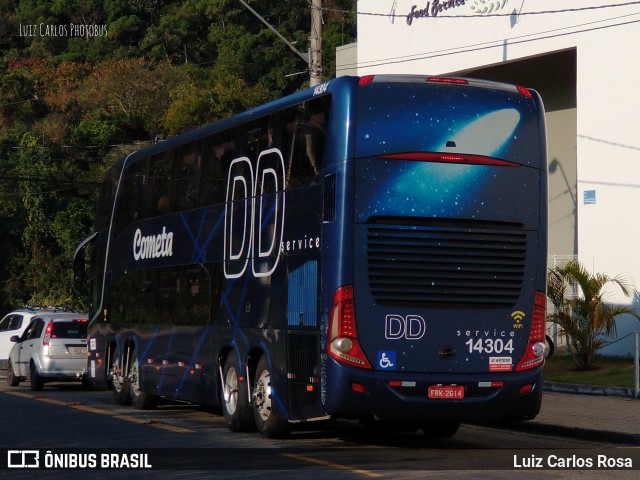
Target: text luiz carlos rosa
column 572, row 461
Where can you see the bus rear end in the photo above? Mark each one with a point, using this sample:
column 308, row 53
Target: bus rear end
column 442, row 314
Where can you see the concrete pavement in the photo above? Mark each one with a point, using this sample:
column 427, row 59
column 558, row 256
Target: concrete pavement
column 594, row 417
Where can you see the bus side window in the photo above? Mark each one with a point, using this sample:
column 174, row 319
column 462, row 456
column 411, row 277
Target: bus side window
column 131, row 198
column 214, row 182
column 159, row 200
column 307, row 132
column 187, row 177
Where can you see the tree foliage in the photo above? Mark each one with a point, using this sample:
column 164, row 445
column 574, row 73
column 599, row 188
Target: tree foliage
column 70, row 104
column 585, row 316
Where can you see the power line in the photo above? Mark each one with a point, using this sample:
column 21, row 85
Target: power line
column 519, row 14
column 20, row 178
column 119, row 145
column 609, row 142
column 492, row 44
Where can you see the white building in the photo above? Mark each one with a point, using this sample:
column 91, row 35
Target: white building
column 582, row 56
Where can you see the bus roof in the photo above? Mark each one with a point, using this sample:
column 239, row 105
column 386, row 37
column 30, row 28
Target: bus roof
column 330, row 86
column 238, row 119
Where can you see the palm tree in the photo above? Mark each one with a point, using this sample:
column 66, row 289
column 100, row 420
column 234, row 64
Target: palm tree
column 588, row 315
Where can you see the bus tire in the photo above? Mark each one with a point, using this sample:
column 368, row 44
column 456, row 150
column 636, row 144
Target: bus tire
column 235, row 398
column 13, row 380
column 268, row 423
column 443, row 429
column 119, row 385
column 139, row 399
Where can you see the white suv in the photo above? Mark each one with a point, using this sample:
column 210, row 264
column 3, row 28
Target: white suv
column 15, row 323
column 53, row 347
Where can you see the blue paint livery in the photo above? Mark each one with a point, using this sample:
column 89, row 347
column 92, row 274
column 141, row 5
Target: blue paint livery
column 428, row 199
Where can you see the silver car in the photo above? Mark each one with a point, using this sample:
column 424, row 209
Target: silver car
column 53, row 347
column 15, row 323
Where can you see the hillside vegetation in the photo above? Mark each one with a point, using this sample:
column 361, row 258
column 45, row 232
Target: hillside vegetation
column 83, row 82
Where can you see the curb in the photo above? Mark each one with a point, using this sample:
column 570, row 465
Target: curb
column 573, row 432
column 588, row 389
column 578, row 432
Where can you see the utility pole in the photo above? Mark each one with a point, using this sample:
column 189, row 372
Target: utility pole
column 303, row 56
column 315, row 65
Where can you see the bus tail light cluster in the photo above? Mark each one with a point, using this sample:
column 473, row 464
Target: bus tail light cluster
column 343, row 342
column 524, row 91
column 448, row 80
column 438, row 157
column 534, row 353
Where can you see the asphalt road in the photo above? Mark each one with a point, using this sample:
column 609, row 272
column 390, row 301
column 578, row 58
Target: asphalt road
column 179, row 440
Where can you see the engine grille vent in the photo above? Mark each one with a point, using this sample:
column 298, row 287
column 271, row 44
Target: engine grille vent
column 449, row 264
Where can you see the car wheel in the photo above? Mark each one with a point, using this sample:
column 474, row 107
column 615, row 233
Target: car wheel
column 139, row 399
column 235, row 398
column 119, row 385
column 37, row 383
column 268, row 423
column 86, row 382
column 440, row 429
column 12, row 379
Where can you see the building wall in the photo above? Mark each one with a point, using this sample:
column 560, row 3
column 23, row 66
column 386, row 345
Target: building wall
column 595, row 140
column 347, row 60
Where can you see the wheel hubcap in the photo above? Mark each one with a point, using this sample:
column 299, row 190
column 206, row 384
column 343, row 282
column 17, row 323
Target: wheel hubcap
column 262, row 395
column 116, row 379
column 231, row 391
column 133, row 378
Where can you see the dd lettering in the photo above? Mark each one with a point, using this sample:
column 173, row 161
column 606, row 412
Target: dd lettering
column 411, row 327
column 254, row 215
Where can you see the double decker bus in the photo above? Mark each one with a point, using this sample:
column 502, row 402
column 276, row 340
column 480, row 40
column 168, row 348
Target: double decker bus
column 373, row 247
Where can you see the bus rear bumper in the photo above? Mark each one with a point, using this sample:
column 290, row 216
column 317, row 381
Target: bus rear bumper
column 355, row 393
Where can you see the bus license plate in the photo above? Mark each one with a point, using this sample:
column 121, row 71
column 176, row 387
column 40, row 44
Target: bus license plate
column 446, row 392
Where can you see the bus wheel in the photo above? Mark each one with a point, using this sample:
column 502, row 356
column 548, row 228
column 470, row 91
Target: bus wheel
column 269, row 424
column 139, row 399
column 119, row 385
column 13, row 380
column 440, row 429
column 235, row 399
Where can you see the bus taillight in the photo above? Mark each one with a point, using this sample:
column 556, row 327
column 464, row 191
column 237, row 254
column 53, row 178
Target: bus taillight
column 343, row 342
column 438, row 157
column 524, row 91
column 534, row 353
column 365, row 80
column 448, row 80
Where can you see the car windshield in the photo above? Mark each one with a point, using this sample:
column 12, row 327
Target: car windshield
column 69, row 329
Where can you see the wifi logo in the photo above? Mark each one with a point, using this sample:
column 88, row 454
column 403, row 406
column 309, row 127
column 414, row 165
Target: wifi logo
column 518, row 316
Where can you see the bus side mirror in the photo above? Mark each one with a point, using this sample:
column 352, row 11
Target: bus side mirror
column 80, row 261
column 79, row 270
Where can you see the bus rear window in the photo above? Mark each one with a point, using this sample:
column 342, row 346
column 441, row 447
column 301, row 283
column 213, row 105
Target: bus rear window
column 420, row 117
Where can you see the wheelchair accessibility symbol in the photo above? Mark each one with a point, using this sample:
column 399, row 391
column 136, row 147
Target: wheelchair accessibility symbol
column 387, row 360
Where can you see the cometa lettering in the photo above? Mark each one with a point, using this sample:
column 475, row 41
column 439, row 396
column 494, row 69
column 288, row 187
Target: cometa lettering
column 152, row 246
